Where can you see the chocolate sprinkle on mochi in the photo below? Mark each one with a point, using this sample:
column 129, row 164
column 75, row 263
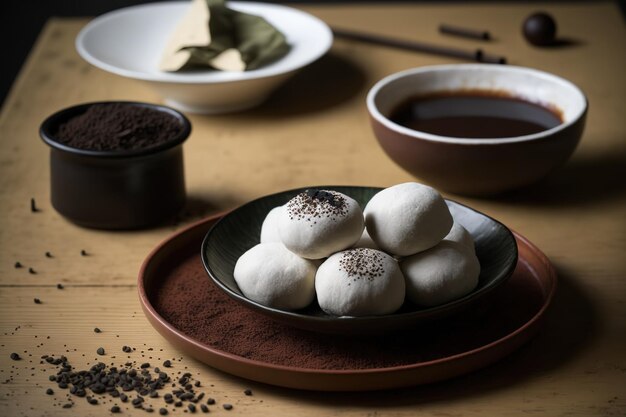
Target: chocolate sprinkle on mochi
column 362, row 263
column 312, row 204
column 325, row 196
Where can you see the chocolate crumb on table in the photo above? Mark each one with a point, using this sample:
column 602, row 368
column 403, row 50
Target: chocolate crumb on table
column 33, row 206
column 18, row 264
column 60, row 286
column 133, row 383
column 37, row 301
column 97, row 330
column 31, row 271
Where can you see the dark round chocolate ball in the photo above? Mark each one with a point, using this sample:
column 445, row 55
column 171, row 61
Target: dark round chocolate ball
column 540, row 29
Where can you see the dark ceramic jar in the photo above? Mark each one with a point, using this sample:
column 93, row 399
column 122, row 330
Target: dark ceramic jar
column 116, row 189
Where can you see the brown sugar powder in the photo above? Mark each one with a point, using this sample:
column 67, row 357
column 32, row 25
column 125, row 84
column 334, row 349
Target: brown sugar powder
column 188, row 299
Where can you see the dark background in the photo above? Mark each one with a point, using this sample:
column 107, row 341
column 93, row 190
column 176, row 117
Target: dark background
column 22, row 20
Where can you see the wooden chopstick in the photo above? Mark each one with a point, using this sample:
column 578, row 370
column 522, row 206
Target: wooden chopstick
column 482, row 35
column 475, row 55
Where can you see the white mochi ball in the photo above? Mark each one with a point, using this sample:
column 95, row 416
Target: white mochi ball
column 407, row 218
column 441, row 274
column 359, row 282
column 269, row 228
column 460, row 235
column 316, row 223
column 273, row 276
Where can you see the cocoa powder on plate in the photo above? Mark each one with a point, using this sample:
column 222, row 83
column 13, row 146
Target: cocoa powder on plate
column 187, row 298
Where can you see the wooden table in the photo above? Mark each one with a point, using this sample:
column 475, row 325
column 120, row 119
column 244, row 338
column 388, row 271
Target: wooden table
column 315, row 131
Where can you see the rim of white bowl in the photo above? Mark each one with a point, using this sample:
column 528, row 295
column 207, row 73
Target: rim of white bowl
column 324, row 40
column 376, row 114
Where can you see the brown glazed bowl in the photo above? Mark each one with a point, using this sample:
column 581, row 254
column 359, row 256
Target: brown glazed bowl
column 128, row 189
column 473, row 166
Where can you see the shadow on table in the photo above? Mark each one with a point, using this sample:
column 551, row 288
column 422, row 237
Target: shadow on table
column 565, row 42
column 571, row 325
column 584, row 180
column 326, row 83
column 199, row 207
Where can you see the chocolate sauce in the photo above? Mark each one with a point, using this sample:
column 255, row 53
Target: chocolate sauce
column 475, row 114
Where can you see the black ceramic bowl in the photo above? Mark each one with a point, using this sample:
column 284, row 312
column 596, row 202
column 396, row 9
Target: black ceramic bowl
column 118, row 189
column 239, row 230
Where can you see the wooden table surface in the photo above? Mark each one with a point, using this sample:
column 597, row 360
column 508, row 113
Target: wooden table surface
column 315, row 131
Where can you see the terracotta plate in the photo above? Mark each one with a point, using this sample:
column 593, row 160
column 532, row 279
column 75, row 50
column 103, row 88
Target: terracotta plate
column 217, row 330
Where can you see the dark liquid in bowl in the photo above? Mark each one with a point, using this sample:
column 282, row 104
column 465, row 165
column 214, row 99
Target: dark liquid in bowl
column 475, row 114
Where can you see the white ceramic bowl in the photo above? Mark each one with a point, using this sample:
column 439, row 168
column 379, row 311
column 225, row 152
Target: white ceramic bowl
column 129, row 42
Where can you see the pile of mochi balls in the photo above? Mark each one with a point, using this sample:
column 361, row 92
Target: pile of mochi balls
column 360, row 262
